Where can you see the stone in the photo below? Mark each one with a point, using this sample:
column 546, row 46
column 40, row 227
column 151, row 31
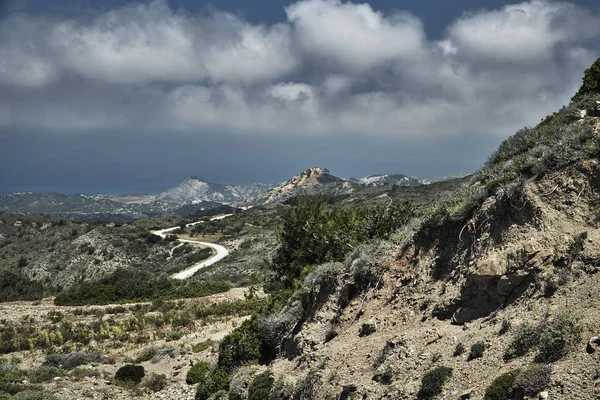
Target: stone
column 544, row 395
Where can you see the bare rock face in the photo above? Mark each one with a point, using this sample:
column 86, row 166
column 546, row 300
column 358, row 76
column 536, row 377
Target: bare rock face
column 493, row 282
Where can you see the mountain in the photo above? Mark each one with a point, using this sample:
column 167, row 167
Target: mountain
column 390, row 180
column 313, row 181
column 194, row 189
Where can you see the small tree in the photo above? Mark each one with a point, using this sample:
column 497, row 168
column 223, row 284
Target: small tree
column 22, row 263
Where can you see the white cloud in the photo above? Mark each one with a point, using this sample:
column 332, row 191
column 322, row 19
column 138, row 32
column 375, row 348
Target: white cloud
column 521, row 33
column 354, row 36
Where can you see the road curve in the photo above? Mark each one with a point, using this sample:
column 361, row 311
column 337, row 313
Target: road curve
column 222, row 252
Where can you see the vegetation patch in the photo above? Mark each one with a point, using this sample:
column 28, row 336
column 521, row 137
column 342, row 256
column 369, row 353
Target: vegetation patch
column 125, row 286
column 433, row 381
column 130, row 374
column 261, row 386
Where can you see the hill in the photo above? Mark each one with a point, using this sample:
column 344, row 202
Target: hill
column 486, row 295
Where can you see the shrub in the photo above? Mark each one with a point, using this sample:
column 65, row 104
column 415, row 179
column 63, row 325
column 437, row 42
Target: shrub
column 130, row 373
column 197, row 371
column 146, row 355
column 281, row 390
column 557, row 337
column 526, row 338
column 261, row 386
column 44, row 374
column 211, row 381
column 532, row 380
column 433, row 381
column 242, row 346
column 477, row 350
column 156, row 382
column 459, row 350
column 501, row 387
column 591, row 80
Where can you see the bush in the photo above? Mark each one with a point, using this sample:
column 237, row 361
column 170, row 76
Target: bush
column 433, row 381
column 553, row 339
column 281, row 390
column 261, row 386
column 532, row 380
column 134, row 286
column 130, row 373
column 156, row 382
column 197, row 372
column 526, row 338
column 591, row 80
column 557, row 337
column 211, row 380
column 459, row 350
column 477, row 350
column 501, row 387
column 242, row 346
column 44, row 374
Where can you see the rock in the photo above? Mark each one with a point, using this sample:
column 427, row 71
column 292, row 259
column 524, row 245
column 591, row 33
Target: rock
column 466, row 394
column 543, row 395
column 593, row 344
column 434, row 338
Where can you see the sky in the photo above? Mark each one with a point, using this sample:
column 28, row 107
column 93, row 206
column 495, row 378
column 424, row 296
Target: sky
column 119, row 96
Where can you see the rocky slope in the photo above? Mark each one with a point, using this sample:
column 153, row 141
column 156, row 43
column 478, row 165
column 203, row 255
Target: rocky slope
column 313, row 181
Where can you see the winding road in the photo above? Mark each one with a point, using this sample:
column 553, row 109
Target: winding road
column 222, row 252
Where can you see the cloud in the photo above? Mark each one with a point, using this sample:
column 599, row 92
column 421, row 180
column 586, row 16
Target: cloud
column 332, row 68
column 354, row 36
column 522, row 33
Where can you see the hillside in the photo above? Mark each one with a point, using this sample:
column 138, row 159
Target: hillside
column 487, row 295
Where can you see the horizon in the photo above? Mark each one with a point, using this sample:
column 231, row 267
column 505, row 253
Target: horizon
column 122, row 96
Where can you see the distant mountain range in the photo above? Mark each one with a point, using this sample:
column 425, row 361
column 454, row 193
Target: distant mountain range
column 195, row 196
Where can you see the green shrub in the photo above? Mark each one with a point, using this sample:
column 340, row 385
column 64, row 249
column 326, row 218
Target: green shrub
column 526, row 338
column 44, row 374
column 477, row 350
column 211, row 380
column 242, row 346
column 433, row 381
column 198, row 370
column 205, row 345
column 557, row 337
column 261, row 386
column 532, row 380
column 553, row 339
column 135, row 286
column 501, row 387
column 591, row 80
column 130, row 373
